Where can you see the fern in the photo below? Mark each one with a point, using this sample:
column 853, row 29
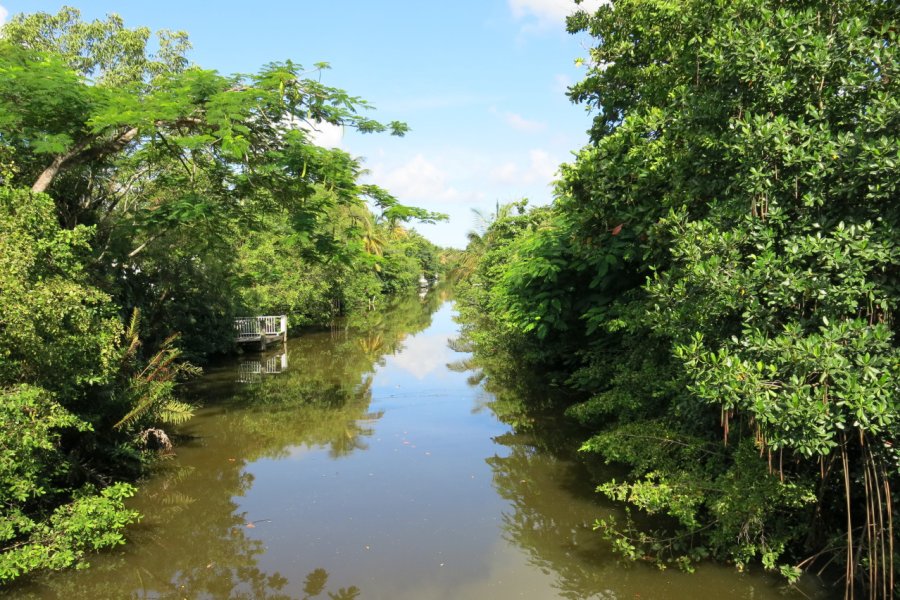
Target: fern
column 175, row 412
column 150, row 388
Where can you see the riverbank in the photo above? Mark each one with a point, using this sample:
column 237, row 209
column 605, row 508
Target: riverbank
column 376, row 465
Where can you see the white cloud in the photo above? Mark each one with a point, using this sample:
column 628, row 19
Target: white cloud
column 541, row 168
column 327, row 135
column 549, row 13
column 416, row 180
column 520, row 123
column 320, row 133
column 3, row 14
column 508, row 172
column 423, row 355
column 453, row 179
column 561, row 83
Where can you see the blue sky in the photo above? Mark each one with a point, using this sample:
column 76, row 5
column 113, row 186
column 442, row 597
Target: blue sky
column 480, row 82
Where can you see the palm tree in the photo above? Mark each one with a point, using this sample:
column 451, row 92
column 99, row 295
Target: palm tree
column 482, row 237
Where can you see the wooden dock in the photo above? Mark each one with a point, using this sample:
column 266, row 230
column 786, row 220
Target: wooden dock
column 260, row 330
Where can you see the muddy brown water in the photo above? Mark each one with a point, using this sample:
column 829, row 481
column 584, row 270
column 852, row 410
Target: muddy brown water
column 365, row 463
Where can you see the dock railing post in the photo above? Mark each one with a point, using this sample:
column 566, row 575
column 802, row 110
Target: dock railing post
column 284, row 328
column 261, row 324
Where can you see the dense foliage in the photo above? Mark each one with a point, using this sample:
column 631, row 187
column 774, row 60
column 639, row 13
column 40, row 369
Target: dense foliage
column 145, row 202
column 718, row 279
column 59, row 338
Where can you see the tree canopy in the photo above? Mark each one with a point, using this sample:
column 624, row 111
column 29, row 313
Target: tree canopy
column 718, row 278
column 144, row 202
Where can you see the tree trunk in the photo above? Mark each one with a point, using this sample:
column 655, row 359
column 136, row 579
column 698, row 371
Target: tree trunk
column 79, row 152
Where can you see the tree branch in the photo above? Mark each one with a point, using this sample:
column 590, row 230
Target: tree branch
column 80, row 152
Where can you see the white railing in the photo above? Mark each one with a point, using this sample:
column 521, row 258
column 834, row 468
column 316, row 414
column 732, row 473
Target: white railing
column 276, row 364
column 250, row 371
column 253, row 328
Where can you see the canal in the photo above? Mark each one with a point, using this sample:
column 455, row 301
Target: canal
column 368, row 462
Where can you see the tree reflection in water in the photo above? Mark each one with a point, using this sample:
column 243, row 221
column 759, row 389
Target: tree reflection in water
column 207, row 535
column 552, row 506
column 194, row 541
column 552, row 503
column 315, row 584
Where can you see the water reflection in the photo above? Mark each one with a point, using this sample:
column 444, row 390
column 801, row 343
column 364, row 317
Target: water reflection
column 315, row 584
column 196, row 539
column 552, row 506
column 369, row 470
column 251, row 369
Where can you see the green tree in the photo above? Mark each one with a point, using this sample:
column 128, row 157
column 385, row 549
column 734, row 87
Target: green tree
column 58, row 340
column 137, row 185
column 760, row 140
column 721, row 267
column 57, row 329
column 175, row 165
